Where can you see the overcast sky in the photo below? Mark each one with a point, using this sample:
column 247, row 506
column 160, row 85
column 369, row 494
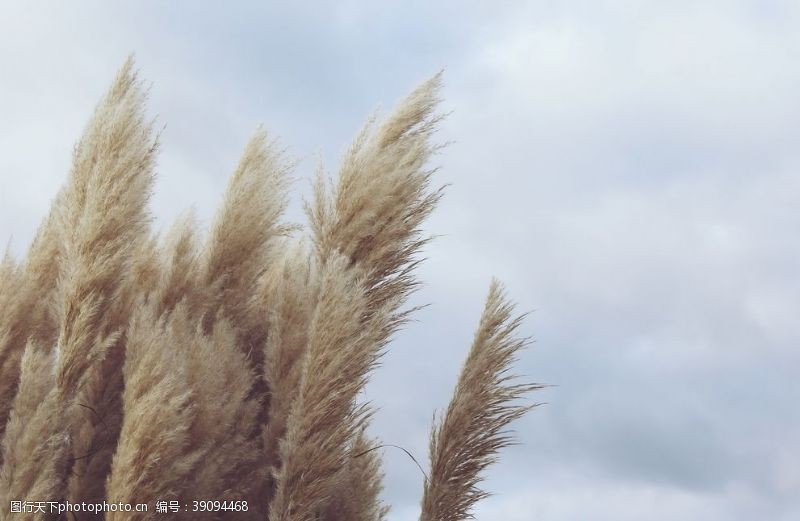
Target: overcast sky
column 631, row 171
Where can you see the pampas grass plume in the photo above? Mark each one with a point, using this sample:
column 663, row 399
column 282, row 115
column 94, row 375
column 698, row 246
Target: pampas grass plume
column 228, row 364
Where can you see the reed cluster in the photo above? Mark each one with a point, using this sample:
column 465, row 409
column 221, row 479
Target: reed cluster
column 227, row 365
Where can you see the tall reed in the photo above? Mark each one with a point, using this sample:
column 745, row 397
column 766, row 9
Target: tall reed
column 229, row 365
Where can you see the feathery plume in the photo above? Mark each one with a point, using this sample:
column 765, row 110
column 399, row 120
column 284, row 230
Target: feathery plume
column 288, row 295
column 103, row 222
column 373, row 214
column 189, row 430
column 357, row 495
column 36, row 446
column 153, row 457
column 225, row 431
column 26, row 310
column 246, row 223
column 145, row 270
column 11, row 289
column 102, row 218
column 324, row 416
column 178, row 265
column 467, row 439
column 369, row 227
column 238, row 251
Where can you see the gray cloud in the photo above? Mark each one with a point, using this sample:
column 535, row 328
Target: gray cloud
column 629, row 171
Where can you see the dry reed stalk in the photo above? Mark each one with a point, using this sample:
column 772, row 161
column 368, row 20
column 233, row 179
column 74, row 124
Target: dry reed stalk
column 372, row 219
column 36, row 444
column 177, row 266
column 237, row 253
column 357, row 495
column 103, row 222
column 151, row 462
column 468, row 438
column 374, row 213
column 324, row 416
column 34, row 455
column 190, row 431
column 245, row 225
column 225, row 431
column 11, row 288
column 26, row 310
column 146, row 269
column 154, row 455
column 287, row 294
column 10, row 281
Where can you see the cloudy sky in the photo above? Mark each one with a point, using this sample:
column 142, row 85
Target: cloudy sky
column 630, row 169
